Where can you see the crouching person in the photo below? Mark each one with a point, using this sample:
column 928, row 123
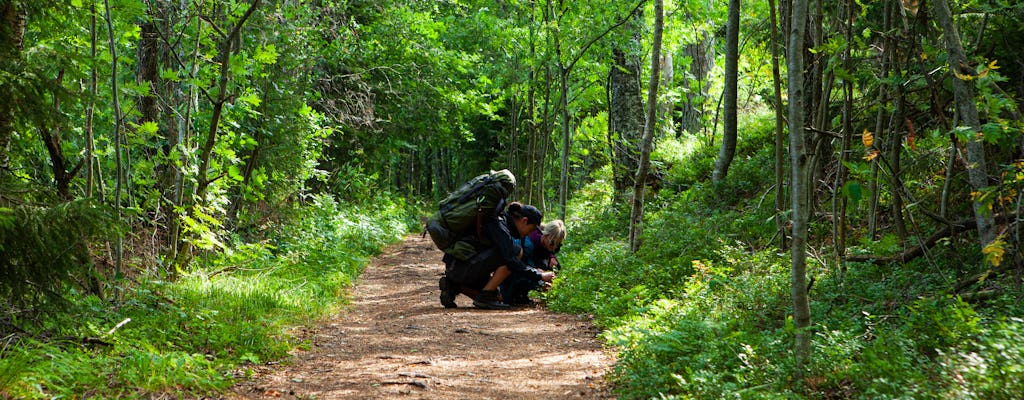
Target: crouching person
column 491, row 257
column 539, row 250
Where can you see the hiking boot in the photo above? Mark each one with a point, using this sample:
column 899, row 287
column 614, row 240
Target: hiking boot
column 448, row 292
column 488, row 300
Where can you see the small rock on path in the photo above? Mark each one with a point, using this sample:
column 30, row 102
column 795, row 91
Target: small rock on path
column 395, row 341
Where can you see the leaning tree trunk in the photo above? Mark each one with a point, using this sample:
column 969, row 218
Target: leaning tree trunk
column 801, row 147
column 732, row 57
column 637, row 214
column 203, row 180
column 963, row 93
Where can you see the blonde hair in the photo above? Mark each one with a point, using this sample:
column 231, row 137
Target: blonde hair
column 555, row 230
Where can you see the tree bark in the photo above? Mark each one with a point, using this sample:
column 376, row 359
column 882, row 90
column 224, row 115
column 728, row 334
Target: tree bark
column 732, row 56
column 90, row 110
column 702, row 59
column 883, row 98
column 12, row 35
column 118, row 128
column 780, row 198
column 665, row 108
column 840, row 201
column 637, row 214
column 801, row 146
column 963, row 93
column 58, row 161
column 626, row 110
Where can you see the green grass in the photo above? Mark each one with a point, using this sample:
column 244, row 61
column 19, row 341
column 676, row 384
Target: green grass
column 197, row 336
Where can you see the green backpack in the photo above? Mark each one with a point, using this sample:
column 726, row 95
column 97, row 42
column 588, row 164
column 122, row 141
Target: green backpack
column 463, row 211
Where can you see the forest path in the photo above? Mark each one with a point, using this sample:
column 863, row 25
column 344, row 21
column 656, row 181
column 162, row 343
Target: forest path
column 396, row 341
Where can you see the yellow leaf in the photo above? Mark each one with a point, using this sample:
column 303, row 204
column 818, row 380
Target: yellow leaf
column 992, row 65
column 994, row 252
column 871, row 155
column 868, row 138
column 967, row 78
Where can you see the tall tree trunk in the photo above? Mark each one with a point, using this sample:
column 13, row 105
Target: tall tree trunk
column 702, row 59
column 546, row 129
column 780, row 198
column 801, row 146
column 732, row 57
column 118, row 117
column 963, row 93
column 887, row 59
column 625, row 114
column 563, row 181
column 840, row 201
column 12, row 36
column 637, row 214
column 148, row 73
column 665, row 109
column 895, row 168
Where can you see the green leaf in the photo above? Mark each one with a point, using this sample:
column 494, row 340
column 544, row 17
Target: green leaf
column 853, row 191
column 266, row 55
column 147, row 128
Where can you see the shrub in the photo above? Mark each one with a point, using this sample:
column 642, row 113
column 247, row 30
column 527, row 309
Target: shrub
column 989, row 367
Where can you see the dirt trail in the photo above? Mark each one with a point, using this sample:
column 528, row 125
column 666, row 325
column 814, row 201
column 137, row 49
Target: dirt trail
column 396, row 341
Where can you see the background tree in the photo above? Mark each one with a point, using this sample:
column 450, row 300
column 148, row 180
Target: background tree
column 625, row 107
column 650, row 122
column 963, row 92
column 12, row 33
column 732, row 54
column 801, row 158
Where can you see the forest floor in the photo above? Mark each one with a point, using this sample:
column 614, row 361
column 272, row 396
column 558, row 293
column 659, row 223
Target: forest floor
column 395, row 340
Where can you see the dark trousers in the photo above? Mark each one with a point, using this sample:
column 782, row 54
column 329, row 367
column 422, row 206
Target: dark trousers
column 516, row 288
column 475, row 272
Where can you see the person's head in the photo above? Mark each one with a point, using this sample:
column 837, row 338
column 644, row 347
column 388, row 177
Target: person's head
column 552, row 235
column 525, row 217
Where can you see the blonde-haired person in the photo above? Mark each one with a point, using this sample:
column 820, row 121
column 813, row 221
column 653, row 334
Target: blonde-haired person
column 539, row 249
column 549, row 238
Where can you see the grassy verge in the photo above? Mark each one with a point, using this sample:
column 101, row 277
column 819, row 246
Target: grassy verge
column 703, row 310
column 196, row 336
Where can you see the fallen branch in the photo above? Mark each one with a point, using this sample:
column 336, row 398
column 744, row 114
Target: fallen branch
column 909, row 254
column 964, row 284
column 917, row 251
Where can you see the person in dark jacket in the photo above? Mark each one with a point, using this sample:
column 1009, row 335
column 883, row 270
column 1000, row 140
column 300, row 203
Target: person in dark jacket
column 497, row 255
column 539, row 249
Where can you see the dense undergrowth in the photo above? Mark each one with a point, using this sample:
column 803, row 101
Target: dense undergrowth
column 703, row 309
column 197, row 335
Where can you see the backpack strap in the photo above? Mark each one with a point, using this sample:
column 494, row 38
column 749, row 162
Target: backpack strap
column 480, row 209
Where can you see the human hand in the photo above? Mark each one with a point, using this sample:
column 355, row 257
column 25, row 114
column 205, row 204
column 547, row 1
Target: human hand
column 547, row 276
